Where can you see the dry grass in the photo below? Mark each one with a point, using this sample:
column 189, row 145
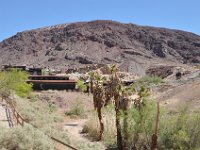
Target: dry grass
column 92, row 127
column 38, row 111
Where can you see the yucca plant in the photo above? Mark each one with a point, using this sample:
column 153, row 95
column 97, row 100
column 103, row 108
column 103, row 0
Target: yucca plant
column 98, row 98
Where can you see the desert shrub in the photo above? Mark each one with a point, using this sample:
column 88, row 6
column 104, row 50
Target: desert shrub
column 176, row 131
column 52, row 106
column 15, row 81
column 34, row 97
column 180, row 131
column 150, row 80
column 24, row 138
column 91, row 127
column 77, row 109
column 57, row 133
column 88, row 146
column 57, row 118
column 81, row 85
column 140, row 125
column 37, row 113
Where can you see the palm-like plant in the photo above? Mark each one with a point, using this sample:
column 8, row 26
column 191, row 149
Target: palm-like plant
column 92, row 77
column 114, row 89
column 115, row 86
column 98, row 98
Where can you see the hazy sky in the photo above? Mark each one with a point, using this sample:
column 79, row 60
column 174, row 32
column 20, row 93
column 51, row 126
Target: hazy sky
column 20, row 15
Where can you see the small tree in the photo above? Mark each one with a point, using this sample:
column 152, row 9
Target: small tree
column 115, row 84
column 14, row 81
column 114, row 89
column 98, row 97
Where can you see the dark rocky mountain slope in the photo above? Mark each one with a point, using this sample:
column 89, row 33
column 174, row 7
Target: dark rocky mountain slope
column 98, row 42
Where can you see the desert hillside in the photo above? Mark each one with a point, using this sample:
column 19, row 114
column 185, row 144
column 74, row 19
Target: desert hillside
column 101, row 42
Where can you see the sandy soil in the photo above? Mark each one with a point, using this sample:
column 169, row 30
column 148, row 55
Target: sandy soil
column 184, row 92
column 3, row 117
column 74, row 127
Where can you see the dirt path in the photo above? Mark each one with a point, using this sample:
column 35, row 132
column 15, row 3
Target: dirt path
column 3, row 116
column 74, row 128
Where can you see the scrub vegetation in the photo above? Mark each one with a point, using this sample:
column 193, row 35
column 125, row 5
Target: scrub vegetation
column 123, row 117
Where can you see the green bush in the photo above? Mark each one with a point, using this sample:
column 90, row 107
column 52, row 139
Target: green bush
column 149, row 80
column 141, row 125
column 25, row 138
column 15, row 81
column 180, row 131
column 81, row 86
column 176, row 131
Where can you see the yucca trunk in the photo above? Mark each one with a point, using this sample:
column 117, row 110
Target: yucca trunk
column 100, row 123
column 125, row 124
column 91, row 86
column 118, row 125
column 98, row 99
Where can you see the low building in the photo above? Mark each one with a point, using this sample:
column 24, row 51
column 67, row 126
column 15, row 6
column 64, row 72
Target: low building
column 52, row 82
column 18, row 67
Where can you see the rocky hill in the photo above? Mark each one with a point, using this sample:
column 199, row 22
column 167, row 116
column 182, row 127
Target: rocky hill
column 101, row 42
